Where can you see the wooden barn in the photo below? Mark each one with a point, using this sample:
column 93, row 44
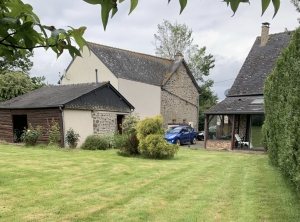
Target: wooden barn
column 89, row 109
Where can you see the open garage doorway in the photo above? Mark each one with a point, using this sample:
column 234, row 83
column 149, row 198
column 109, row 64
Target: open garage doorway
column 19, row 123
column 119, row 123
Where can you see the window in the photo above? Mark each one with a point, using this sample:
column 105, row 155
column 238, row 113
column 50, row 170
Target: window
column 220, row 128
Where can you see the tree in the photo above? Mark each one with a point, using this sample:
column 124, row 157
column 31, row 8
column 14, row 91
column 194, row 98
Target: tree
column 207, row 99
column 19, row 63
column 172, row 38
column 13, row 84
column 16, row 83
column 281, row 131
column 22, row 30
column 38, row 82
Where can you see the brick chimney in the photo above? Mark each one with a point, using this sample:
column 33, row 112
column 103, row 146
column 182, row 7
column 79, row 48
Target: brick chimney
column 178, row 56
column 264, row 33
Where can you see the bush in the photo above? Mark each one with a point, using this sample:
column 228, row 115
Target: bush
column 120, row 141
column 72, row 138
column 151, row 142
column 54, row 133
column 95, row 143
column 110, row 139
column 154, row 146
column 130, row 123
column 31, row 135
column 132, row 145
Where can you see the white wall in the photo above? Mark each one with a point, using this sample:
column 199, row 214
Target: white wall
column 82, row 70
column 144, row 97
column 80, row 121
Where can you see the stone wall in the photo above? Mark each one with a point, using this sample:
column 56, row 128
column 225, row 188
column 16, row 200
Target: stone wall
column 218, row 144
column 104, row 123
column 242, row 130
column 179, row 99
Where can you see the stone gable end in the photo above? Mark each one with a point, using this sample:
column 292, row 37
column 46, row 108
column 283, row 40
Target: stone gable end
column 179, row 99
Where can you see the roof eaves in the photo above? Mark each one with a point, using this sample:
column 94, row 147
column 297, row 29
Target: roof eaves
column 233, row 112
column 33, row 107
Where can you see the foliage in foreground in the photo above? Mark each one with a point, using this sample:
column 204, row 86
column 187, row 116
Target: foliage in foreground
column 94, row 142
column 151, row 142
column 31, row 135
column 281, row 131
column 22, row 31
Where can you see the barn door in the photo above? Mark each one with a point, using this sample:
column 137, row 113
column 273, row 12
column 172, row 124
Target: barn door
column 19, row 124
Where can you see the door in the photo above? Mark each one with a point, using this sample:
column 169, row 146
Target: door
column 19, row 124
column 119, row 123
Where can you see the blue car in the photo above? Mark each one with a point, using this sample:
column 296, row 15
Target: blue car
column 180, row 135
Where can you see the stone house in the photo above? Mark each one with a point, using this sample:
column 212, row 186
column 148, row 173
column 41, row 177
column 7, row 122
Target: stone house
column 241, row 114
column 89, row 109
column 153, row 85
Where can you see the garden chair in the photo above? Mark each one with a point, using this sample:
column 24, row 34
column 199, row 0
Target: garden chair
column 240, row 141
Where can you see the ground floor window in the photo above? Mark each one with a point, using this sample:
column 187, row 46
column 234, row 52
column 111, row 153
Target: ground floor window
column 19, row 124
column 220, row 127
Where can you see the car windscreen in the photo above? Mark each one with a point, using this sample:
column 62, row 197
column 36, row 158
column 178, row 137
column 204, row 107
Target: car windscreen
column 176, row 130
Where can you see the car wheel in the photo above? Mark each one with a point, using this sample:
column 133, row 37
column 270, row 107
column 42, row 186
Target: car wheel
column 194, row 140
column 178, row 142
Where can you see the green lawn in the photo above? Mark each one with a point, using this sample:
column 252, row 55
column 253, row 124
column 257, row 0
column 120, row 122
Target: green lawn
column 197, row 185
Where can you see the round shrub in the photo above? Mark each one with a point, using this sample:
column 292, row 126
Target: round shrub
column 95, row 143
column 150, row 126
column 151, row 142
column 155, row 146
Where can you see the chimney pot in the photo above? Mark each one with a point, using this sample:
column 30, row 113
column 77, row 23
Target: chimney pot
column 264, row 33
column 178, row 55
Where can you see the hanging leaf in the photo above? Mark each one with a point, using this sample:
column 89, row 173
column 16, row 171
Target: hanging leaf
column 276, row 4
column 182, row 5
column 264, row 5
column 105, row 10
column 133, row 4
column 94, row 2
column 114, row 11
column 234, row 4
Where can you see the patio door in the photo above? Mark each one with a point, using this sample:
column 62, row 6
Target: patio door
column 256, row 133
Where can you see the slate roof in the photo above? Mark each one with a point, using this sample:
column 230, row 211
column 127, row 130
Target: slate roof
column 249, row 83
column 258, row 65
column 55, row 96
column 137, row 66
column 132, row 65
column 237, row 105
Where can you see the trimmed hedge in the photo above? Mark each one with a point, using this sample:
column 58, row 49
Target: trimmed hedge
column 281, row 129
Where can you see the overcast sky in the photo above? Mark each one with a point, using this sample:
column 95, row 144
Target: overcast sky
column 227, row 38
